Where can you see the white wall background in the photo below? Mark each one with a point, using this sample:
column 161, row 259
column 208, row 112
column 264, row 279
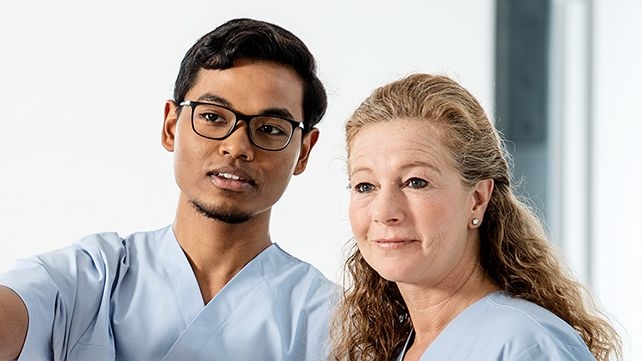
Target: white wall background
column 596, row 169
column 83, row 86
column 84, row 83
column 617, row 164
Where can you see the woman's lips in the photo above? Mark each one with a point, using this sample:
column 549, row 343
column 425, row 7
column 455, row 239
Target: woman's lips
column 392, row 243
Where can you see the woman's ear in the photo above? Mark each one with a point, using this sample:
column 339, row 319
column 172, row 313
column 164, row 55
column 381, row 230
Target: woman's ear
column 482, row 192
column 308, row 142
column 169, row 125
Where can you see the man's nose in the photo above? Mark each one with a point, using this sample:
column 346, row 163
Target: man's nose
column 238, row 144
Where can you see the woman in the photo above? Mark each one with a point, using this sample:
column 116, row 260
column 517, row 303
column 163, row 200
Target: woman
column 448, row 263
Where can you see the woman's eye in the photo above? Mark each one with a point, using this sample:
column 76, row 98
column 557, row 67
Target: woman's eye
column 363, row 187
column 416, row 183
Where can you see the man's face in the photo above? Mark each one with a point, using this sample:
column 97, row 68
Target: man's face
column 230, row 179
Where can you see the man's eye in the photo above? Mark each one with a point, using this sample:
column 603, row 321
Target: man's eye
column 363, row 188
column 416, row 183
column 213, row 117
column 269, row 129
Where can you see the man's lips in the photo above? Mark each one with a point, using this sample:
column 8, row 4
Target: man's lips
column 231, row 179
column 230, row 176
column 232, row 173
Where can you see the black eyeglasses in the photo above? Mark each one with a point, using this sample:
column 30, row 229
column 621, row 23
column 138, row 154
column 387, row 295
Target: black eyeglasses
column 269, row 132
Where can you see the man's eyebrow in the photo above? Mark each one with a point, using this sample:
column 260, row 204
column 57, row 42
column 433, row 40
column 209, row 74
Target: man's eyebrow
column 279, row 112
column 213, row 98
column 217, row 99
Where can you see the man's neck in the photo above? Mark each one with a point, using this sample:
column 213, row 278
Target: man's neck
column 217, row 251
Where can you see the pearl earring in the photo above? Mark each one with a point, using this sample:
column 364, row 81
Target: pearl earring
column 475, row 221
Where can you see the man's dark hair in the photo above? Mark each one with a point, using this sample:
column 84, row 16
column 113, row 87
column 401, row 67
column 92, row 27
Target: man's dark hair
column 255, row 40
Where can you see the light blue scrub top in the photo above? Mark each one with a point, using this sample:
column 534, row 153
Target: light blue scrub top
column 503, row 328
column 108, row 298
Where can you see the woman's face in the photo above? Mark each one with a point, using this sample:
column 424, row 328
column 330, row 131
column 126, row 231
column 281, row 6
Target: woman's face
column 409, row 211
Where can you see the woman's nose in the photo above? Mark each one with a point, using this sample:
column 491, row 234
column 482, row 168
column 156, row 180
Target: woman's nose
column 388, row 207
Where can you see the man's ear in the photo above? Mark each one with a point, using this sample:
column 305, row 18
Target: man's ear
column 308, row 142
column 169, row 125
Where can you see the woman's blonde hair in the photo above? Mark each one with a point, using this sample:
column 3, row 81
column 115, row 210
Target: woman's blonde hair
column 372, row 322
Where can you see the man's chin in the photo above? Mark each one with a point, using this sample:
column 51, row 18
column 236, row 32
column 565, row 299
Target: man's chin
column 227, row 216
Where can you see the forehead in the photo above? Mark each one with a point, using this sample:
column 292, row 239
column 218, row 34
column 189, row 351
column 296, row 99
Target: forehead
column 399, row 133
column 398, row 141
column 252, row 87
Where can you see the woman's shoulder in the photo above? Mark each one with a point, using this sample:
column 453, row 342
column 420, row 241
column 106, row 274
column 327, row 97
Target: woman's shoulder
column 505, row 307
column 519, row 316
column 523, row 328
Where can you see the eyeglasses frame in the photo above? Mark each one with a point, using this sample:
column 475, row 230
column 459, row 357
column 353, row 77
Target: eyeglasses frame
column 238, row 116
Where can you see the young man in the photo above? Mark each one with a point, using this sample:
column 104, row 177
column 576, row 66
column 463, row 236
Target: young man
column 212, row 286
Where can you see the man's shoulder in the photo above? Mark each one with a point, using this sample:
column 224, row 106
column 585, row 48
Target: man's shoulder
column 98, row 250
column 115, row 240
column 299, row 275
column 291, row 263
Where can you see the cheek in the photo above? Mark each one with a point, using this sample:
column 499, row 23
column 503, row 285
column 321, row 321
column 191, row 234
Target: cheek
column 286, row 158
column 277, row 170
column 188, row 154
column 441, row 222
column 360, row 222
column 280, row 167
column 186, row 144
column 359, row 219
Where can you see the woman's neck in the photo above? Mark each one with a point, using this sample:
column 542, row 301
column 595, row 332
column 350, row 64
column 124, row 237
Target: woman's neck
column 431, row 309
